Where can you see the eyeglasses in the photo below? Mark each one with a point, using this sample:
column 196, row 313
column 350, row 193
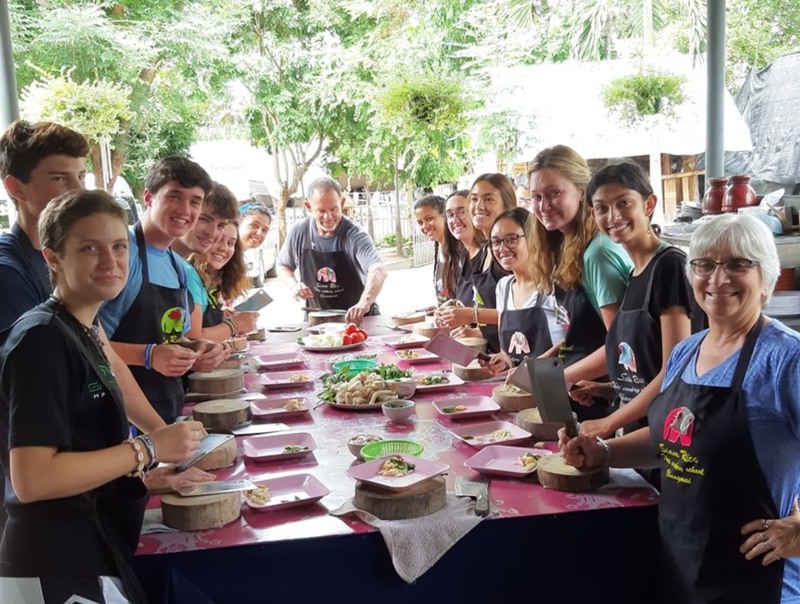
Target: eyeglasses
column 461, row 213
column 510, row 241
column 734, row 267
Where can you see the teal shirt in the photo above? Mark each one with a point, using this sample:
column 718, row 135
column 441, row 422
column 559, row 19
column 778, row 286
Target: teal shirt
column 197, row 291
column 606, row 272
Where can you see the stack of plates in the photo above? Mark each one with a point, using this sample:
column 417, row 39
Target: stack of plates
column 784, row 304
column 693, row 209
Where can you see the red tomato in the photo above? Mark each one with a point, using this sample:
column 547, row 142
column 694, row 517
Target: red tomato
column 358, row 337
column 364, row 333
column 347, row 339
column 351, row 328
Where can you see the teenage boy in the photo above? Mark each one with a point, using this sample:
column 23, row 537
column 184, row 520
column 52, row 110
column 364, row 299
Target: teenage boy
column 147, row 321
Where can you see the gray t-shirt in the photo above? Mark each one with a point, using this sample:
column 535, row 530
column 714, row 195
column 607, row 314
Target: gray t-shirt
column 348, row 237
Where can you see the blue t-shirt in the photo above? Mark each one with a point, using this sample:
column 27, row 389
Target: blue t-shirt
column 772, row 402
column 197, row 290
column 162, row 272
column 24, row 276
column 606, row 272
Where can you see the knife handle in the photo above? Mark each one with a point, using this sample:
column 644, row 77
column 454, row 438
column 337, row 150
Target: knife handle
column 484, row 357
column 482, row 504
column 571, row 429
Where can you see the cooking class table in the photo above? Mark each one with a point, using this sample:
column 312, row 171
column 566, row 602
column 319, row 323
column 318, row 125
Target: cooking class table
column 544, row 544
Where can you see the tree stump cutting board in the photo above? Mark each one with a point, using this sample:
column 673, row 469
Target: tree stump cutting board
column 472, row 372
column 511, row 400
column 221, row 457
column 531, row 421
column 200, row 513
column 223, row 414
column 555, row 474
column 221, row 381
column 238, row 343
column 420, row 500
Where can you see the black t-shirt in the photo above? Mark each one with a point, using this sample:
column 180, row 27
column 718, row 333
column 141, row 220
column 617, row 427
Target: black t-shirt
column 50, row 396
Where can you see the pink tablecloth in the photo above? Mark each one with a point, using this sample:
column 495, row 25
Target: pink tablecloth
column 331, row 429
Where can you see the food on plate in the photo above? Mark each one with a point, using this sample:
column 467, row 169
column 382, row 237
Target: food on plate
column 511, row 389
column 363, row 439
column 528, row 461
column 322, row 340
column 407, row 354
column 299, row 377
column 333, row 382
column 410, row 338
column 294, row 449
column 432, row 380
column 259, row 495
column 493, row 437
column 294, row 404
column 353, row 335
column 454, row 409
column 396, row 466
column 364, row 389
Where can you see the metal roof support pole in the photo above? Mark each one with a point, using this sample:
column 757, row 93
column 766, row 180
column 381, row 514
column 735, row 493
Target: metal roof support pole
column 715, row 116
column 9, row 109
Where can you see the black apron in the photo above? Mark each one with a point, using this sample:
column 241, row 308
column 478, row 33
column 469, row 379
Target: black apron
column 484, row 283
column 712, row 485
column 585, row 334
column 332, row 276
column 633, row 347
column 524, row 333
column 465, row 292
column 157, row 316
column 213, row 314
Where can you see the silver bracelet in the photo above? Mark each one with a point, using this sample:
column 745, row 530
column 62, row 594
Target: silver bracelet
column 606, row 451
column 151, row 448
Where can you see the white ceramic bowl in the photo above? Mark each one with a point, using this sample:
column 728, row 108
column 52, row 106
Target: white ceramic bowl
column 398, row 410
column 404, row 387
column 355, row 443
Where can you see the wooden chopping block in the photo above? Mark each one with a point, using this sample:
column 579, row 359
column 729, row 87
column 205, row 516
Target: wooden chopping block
column 223, row 414
column 425, row 329
column 479, row 344
column 200, row 513
column 238, row 343
column 554, row 473
column 231, row 364
column 409, row 318
column 221, row 457
column 472, row 372
column 512, row 401
column 220, row 381
column 259, row 334
column 422, row 499
column 531, row 421
column 324, row 316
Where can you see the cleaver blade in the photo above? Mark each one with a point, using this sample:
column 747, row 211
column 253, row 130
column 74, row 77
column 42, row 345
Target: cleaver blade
column 549, row 390
column 479, row 489
column 454, row 351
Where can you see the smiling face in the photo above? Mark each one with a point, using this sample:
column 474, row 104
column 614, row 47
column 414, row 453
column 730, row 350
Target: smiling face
column 430, row 223
column 726, row 298
column 622, row 213
column 222, row 251
column 485, row 205
column 171, row 212
column 206, row 232
column 458, row 220
column 93, row 265
column 53, row 175
column 555, row 200
column 326, row 208
column 253, row 230
column 513, row 258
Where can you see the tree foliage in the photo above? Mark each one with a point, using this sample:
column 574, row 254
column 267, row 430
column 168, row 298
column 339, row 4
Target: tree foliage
column 642, row 94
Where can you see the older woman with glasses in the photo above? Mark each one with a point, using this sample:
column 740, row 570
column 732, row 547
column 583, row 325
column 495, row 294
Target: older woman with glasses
column 725, row 431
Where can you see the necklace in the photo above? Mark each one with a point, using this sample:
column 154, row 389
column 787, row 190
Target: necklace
column 92, row 333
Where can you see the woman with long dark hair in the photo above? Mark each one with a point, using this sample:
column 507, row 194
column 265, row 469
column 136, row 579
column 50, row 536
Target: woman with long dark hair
column 429, row 214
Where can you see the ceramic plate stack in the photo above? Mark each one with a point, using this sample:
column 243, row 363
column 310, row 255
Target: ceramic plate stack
column 693, row 209
column 784, row 304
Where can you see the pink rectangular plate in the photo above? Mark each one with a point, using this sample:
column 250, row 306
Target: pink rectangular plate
column 406, row 340
column 483, row 434
column 475, row 406
column 271, row 447
column 289, row 491
column 419, row 355
column 425, row 470
column 502, row 460
column 452, row 381
column 274, row 407
column 280, row 360
column 283, row 379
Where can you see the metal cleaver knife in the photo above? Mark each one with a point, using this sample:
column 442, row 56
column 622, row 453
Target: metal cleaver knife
column 550, row 392
column 453, row 350
column 479, row 489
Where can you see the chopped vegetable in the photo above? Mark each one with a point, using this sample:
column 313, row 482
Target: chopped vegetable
column 454, row 409
column 294, row 449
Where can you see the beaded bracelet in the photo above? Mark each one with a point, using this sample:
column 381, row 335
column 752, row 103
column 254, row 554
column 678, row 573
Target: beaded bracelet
column 606, row 451
column 232, row 325
column 151, row 448
column 148, row 356
column 137, row 448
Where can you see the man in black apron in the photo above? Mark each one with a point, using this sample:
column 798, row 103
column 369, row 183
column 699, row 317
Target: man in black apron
column 711, row 486
column 150, row 315
column 340, row 268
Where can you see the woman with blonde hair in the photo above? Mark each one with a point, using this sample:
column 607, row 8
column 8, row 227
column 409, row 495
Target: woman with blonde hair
column 586, row 271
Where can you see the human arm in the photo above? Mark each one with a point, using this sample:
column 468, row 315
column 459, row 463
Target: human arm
column 774, row 538
column 376, row 276
column 675, row 326
column 170, row 360
column 634, row 450
column 166, row 479
column 299, row 290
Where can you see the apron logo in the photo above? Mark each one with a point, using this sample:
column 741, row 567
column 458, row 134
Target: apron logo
column 326, row 275
column 519, row 344
column 626, row 357
column 96, row 390
column 679, row 426
column 172, row 323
